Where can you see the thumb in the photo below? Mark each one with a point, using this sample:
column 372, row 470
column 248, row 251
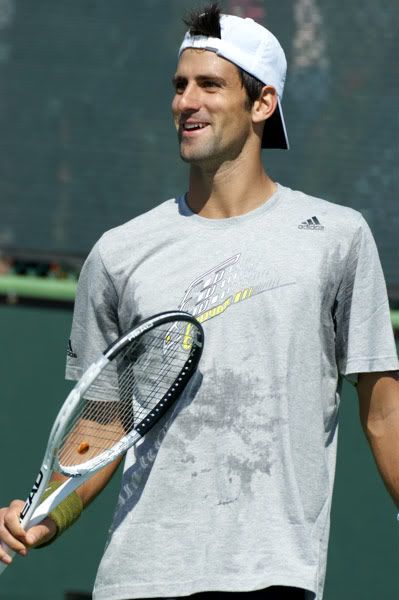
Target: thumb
column 42, row 533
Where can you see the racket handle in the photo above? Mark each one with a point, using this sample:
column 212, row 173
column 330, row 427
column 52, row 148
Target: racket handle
column 10, row 553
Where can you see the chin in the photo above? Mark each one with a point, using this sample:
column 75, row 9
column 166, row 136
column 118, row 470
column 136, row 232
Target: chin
column 193, row 157
column 210, row 155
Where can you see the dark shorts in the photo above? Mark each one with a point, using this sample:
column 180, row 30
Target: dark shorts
column 277, row 592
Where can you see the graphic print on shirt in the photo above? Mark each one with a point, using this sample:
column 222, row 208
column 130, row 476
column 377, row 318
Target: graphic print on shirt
column 219, row 406
column 227, row 284
column 221, row 411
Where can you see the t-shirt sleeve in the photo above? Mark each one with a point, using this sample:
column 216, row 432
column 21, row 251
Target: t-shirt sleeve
column 95, row 321
column 364, row 336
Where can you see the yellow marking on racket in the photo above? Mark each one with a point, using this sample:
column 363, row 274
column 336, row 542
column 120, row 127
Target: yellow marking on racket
column 188, row 339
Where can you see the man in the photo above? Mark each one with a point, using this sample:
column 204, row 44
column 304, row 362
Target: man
column 232, row 492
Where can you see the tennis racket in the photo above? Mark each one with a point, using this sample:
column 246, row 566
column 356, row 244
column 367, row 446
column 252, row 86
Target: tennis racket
column 116, row 401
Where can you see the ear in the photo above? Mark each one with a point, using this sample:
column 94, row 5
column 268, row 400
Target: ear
column 265, row 105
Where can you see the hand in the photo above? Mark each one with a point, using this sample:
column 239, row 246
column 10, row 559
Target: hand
column 15, row 537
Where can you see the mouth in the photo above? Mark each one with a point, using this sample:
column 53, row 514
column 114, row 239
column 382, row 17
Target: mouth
column 192, row 128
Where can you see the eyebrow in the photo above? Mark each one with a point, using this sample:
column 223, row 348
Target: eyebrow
column 200, row 79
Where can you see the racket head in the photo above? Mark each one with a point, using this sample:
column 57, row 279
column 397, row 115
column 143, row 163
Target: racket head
column 126, row 391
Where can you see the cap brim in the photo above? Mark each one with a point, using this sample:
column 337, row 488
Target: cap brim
column 274, row 132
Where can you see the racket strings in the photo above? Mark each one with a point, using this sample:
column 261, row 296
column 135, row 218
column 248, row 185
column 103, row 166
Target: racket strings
column 137, row 399
column 146, row 370
column 138, row 389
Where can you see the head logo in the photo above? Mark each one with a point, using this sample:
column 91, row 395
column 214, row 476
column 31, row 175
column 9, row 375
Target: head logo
column 32, row 494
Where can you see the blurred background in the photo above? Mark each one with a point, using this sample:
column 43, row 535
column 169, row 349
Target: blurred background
column 87, row 143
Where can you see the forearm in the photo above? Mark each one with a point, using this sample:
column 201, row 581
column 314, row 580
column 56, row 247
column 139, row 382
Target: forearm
column 68, row 511
column 19, row 540
column 384, row 441
column 379, row 411
column 92, row 433
column 93, row 486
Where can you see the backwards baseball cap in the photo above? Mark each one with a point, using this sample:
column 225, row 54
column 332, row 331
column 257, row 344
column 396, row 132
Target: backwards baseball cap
column 257, row 51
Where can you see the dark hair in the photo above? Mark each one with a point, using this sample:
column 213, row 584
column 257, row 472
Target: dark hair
column 206, row 21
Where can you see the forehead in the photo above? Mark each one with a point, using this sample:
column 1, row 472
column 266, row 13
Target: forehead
column 194, row 62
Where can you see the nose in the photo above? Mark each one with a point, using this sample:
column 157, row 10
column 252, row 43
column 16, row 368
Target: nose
column 189, row 98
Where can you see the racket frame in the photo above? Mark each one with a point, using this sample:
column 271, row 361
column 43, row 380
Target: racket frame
column 33, row 514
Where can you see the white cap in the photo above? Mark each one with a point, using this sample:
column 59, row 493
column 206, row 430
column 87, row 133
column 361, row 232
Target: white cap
column 257, row 51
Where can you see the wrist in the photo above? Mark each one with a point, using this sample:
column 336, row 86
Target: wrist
column 62, row 516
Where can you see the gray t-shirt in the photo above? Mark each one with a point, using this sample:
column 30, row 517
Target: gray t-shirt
column 232, row 489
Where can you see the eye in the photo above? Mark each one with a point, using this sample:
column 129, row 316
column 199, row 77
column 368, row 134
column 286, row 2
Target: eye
column 210, row 83
column 179, row 85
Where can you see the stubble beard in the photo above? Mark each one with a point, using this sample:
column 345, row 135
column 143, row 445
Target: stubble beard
column 209, row 155
column 198, row 155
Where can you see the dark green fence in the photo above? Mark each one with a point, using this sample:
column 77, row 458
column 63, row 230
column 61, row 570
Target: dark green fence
column 364, row 535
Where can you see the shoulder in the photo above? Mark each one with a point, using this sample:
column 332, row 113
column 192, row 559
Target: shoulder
column 132, row 234
column 150, row 220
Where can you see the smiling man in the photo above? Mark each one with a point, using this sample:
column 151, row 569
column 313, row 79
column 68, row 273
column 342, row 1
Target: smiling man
column 210, row 108
column 230, row 495
column 224, row 114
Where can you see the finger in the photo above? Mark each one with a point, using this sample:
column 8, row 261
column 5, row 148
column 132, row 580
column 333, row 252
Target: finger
column 4, row 556
column 11, row 520
column 8, row 541
column 41, row 533
column 11, row 532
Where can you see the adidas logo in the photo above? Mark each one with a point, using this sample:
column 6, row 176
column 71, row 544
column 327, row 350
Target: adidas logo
column 312, row 223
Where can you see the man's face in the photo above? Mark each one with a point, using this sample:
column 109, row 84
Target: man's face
column 209, row 109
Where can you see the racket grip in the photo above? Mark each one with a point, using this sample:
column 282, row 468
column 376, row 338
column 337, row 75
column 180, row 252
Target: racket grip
column 10, row 553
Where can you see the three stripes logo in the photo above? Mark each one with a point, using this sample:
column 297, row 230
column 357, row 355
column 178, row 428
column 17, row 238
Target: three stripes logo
column 70, row 351
column 313, row 223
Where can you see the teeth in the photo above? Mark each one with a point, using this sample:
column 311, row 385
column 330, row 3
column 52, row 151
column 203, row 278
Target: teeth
column 194, row 126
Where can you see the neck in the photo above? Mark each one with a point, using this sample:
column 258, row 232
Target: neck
column 230, row 189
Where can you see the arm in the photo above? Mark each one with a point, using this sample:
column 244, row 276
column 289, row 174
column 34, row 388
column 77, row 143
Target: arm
column 20, row 540
column 91, row 323
column 93, row 486
column 379, row 413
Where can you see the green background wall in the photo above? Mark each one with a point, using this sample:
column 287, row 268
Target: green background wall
column 364, row 535
column 87, row 139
